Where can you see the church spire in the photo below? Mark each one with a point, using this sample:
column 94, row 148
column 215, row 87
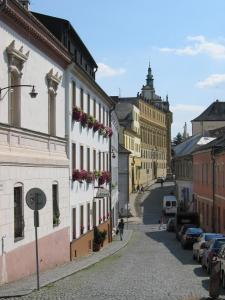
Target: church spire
column 149, row 78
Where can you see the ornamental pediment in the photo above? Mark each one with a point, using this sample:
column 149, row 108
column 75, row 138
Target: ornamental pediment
column 53, row 80
column 16, row 57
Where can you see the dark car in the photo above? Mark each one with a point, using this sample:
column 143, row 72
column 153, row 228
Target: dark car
column 170, row 226
column 191, row 236
column 212, row 248
column 183, row 229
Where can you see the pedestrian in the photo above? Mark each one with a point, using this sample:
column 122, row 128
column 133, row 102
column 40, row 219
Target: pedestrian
column 161, row 222
column 162, row 182
column 138, row 188
column 121, row 227
column 142, row 189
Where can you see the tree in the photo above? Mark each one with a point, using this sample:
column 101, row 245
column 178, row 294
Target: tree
column 178, row 139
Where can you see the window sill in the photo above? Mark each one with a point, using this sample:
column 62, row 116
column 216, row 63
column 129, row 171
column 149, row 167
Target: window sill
column 18, row 239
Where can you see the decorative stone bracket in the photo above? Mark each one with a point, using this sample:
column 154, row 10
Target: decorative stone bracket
column 53, row 81
column 16, row 58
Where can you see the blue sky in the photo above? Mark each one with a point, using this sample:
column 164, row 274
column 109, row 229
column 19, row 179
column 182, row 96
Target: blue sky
column 184, row 41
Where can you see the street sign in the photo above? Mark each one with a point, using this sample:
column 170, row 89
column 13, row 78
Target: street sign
column 35, row 199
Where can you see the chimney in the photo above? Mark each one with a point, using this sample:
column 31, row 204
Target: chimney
column 25, row 3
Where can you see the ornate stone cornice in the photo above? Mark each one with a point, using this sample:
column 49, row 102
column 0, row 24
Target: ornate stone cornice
column 53, row 81
column 24, row 23
column 16, row 58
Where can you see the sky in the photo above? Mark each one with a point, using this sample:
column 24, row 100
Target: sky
column 183, row 40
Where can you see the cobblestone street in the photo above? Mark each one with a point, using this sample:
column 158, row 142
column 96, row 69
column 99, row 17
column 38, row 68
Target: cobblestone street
column 152, row 266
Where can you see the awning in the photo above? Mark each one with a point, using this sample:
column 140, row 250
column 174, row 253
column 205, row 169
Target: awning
column 102, row 192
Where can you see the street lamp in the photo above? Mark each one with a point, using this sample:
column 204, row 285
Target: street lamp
column 33, row 94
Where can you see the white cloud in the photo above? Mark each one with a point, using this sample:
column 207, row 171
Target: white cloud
column 212, row 81
column 200, row 46
column 187, row 108
column 107, row 71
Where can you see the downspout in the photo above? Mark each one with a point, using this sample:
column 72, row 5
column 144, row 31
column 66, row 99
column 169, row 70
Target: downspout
column 68, row 120
column 213, row 188
column 110, row 170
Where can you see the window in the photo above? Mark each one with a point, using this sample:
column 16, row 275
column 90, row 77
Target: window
column 99, row 161
column 107, row 118
column 15, row 101
column 88, row 159
column 107, row 162
column 81, row 219
column 94, row 214
column 55, row 204
column 94, row 160
column 103, row 156
column 100, row 211
column 104, row 215
column 88, row 216
column 94, row 108
column 81, row 99
column 18, row 213
column 81, row 157
column 103, row 115
column 99, row 113
column 73, row 156
column 88, row 105
column 74, row 223
column 73, row 93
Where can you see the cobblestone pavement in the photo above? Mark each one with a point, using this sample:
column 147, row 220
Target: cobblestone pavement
column 152, row 266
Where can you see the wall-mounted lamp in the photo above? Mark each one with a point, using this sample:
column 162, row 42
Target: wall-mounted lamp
column 33, row 93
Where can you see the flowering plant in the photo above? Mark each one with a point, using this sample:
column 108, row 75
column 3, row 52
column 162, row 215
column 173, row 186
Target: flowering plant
column 96, row 126
column 84, row 119
column 76, row 175
column 101, row 180
column 90, row 177
column 102, row 130
column 97, row 174
column 90, row 121
column 76, row 114
column 83, row 174
column 109, row 131
column 107, row 176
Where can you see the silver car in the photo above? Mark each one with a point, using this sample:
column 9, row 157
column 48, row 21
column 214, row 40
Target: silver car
column 198, row 248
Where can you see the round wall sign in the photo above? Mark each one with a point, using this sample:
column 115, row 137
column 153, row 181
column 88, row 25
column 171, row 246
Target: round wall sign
column 35, row 199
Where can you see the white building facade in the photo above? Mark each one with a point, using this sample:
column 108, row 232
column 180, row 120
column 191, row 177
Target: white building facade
column 32, row 144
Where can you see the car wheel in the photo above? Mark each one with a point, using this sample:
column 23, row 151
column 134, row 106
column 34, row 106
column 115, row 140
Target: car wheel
column 223, row 281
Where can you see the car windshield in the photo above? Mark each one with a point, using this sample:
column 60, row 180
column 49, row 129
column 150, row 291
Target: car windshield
column 212, row 236
column 167, row 203
column 194, row 231
column 174, row 203
column 219, row 243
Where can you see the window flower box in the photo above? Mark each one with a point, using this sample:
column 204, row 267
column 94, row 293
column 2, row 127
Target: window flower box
column 90, row 122
column 77, row 113
column 102, row 130
column 84, row 119
column 90, row 177
column 96, row 126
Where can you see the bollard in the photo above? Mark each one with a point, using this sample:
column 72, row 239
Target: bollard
column 214, row 281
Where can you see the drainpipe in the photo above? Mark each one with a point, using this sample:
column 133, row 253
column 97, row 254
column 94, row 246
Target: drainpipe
column 213, row 188
column 110, row 170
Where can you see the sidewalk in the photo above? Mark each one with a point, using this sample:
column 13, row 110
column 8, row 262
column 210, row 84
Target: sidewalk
column 27, row 285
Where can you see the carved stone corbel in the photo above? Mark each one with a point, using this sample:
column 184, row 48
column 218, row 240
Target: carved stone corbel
column 53, row 81
column 16, row 58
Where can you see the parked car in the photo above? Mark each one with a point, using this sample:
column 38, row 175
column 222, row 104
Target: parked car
column 183, row 230
column 198, row 247
column 191, row 236
column 211, row 249
column 170, row 226
column 221, row 258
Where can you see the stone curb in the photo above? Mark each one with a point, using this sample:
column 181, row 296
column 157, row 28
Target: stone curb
column 85, row 263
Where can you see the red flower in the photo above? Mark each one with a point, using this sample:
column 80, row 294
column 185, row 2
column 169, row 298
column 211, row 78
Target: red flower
column 96, row 126
column 77, row 113
column 84, row 119
column 83, row 174
column 76, row 175
column 90, row 177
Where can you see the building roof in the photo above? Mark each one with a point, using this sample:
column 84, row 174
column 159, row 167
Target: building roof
column 123, row 150
column 188, row 146
column 55, row 25
column 215, row 112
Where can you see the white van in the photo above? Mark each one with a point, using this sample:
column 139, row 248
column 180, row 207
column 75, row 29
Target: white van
column 169, row 204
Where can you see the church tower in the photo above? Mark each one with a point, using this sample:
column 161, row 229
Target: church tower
column 148, row 91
